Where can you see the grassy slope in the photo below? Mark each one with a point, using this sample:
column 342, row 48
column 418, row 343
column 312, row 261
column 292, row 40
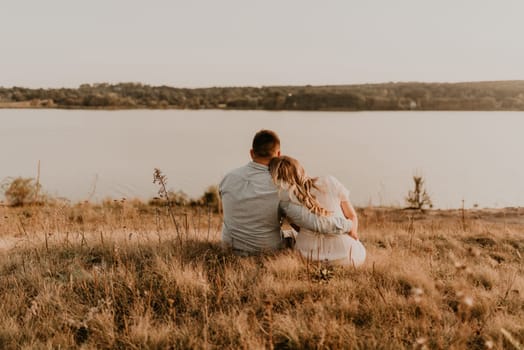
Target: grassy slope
column 118, row 276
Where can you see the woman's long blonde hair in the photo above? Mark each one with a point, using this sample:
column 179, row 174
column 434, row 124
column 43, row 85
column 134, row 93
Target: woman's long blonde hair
column 289, row 174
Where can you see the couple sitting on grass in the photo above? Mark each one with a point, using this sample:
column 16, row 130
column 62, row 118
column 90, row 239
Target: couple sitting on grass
column 259, row 196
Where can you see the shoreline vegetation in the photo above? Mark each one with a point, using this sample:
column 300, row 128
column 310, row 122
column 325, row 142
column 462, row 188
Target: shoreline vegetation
column 125, row 274
column 467, row 96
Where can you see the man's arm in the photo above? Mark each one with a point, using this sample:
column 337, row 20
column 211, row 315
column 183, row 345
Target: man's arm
column 301, row 216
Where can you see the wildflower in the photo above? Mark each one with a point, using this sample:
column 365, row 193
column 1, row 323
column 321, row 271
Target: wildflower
column 421, row 343
column 417, row 294
column 460, row 266
column 468, row 301
column 417, row 291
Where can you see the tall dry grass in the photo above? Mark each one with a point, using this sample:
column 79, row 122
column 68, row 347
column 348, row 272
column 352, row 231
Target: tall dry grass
column 115, row 275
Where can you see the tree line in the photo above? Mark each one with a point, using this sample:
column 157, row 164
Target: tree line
column 497, row 95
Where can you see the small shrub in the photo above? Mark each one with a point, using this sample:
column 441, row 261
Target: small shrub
column 20, row 191
column 211, row 199
column 419, row 197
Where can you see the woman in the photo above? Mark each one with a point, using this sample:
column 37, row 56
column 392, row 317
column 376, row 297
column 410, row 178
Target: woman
column 322, row 196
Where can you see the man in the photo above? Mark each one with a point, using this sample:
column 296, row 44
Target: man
column 252, row 208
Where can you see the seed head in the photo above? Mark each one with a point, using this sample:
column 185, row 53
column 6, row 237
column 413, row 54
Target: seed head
column 468, row 301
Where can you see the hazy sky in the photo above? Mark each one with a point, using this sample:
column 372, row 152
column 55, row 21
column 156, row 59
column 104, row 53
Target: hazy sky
column 194, row 43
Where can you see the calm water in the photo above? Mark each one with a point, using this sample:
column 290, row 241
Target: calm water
column 475, row 156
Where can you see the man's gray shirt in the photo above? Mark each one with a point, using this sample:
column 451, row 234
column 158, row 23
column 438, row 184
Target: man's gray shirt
column 252, row 211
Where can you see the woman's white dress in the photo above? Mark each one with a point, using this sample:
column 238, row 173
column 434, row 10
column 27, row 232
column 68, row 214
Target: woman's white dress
column 337, row 249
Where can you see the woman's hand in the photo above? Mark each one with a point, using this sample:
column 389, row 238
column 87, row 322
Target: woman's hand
column 351, row 214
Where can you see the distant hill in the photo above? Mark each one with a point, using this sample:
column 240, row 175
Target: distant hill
column 472, row 96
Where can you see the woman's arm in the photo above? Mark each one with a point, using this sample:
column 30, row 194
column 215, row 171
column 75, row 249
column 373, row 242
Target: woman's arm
column 351, row 214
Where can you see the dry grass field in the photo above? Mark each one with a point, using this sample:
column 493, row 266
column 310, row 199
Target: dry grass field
column 121, row 275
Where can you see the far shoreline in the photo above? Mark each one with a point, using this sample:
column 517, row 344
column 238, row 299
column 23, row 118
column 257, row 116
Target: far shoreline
column 393, row 96
column 145, row 108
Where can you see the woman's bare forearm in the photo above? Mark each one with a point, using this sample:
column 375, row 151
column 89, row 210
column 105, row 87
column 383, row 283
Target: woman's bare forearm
column 351, row 214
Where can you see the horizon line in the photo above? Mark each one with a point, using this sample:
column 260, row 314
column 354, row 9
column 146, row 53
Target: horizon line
column 266, row 86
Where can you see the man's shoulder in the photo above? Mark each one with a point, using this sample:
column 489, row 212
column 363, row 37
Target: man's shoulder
column 233, row 175
column 240, row 171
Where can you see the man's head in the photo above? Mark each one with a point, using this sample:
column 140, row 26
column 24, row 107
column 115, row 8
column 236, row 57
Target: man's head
column 266, row 145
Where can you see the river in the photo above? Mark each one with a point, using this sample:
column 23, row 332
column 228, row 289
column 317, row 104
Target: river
column 472, row 156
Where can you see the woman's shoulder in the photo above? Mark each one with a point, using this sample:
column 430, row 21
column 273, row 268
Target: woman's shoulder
column 327, row 180
column 331, row 184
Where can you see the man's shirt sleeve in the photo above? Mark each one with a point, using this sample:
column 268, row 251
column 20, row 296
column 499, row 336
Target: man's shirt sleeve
column 301, row 216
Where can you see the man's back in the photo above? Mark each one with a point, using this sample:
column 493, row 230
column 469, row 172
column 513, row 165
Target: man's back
column 252, row 207
column 251, row 215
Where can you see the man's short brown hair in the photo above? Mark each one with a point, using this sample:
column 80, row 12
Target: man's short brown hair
column 265, row 144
